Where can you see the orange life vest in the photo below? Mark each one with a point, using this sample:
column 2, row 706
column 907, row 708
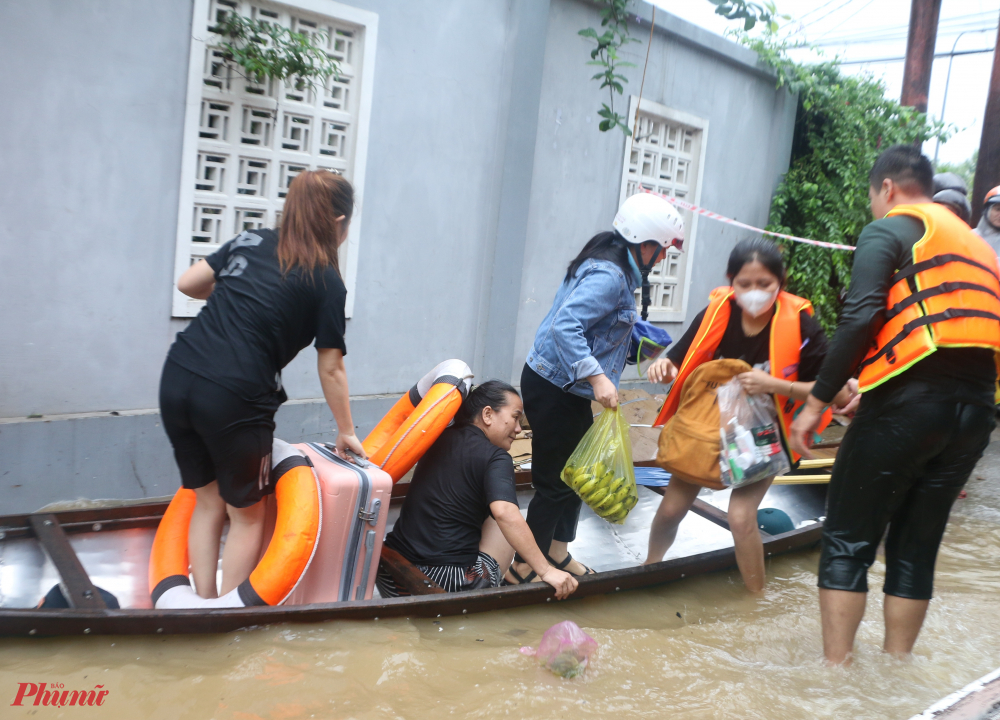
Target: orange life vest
column 954, row 299
column 785, row 344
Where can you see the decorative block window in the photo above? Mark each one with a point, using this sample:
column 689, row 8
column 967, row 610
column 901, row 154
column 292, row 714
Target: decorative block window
column 246, row 139
column 666, row 156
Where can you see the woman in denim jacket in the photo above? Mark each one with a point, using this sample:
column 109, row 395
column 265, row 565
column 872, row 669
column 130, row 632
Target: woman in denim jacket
column 578, row 356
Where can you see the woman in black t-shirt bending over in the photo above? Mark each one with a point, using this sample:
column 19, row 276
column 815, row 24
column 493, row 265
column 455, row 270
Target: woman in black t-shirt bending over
column 460, row 523
column 270, row 293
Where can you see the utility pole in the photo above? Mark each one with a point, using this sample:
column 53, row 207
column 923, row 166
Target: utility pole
column 924, row 16
column 988, row 166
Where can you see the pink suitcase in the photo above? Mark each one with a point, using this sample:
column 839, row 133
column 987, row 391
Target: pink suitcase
column 355, row 507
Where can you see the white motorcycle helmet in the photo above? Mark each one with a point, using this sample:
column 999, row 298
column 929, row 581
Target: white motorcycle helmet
column 644, row 218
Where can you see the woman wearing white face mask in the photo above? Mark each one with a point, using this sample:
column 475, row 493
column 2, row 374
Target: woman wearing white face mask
column 772, row 331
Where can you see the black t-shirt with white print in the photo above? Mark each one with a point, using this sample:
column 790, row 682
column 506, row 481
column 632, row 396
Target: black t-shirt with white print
column 257, row 319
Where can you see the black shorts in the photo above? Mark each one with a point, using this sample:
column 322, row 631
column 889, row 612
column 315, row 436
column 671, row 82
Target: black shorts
column 217, row 435
column 902, row 463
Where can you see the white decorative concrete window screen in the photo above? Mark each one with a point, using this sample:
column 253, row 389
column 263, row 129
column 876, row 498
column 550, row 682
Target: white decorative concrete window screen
column 256, row 127
column 289, row 171
column 253, row 177
column 214, row 120
column 247, row 138
column 666, row 156
column 333, row 138
column 249, row 219
column 206, row 226
column 295, row 132
column 217, row 73
column 211, row 175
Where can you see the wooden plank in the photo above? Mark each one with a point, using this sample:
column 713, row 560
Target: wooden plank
column 12, row 526
column 407, row 576
column 802, row 480
column 710, row 512
column 80, row 592
column 815, row 463
column 979, row 700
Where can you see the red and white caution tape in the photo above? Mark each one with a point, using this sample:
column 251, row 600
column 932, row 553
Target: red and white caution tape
column 729, row 221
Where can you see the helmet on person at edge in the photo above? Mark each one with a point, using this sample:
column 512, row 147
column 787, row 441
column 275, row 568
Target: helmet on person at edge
column 949, row 181
column 992, row 197
column 645, row 217
column 956, row 202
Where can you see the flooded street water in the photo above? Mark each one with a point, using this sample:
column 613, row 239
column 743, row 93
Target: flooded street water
column 700, row 648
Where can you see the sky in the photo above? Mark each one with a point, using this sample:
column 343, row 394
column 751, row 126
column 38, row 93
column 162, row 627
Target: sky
column 863, row 30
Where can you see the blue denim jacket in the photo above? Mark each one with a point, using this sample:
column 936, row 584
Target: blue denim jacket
column 587, row 330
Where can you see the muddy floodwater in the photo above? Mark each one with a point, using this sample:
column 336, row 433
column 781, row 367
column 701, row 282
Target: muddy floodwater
column 700, row 648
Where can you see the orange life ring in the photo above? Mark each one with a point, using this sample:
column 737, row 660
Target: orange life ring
column 418, row 418
column 288, row 555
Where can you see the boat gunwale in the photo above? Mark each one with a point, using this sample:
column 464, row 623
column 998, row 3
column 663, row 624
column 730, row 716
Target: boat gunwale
column 25, row 622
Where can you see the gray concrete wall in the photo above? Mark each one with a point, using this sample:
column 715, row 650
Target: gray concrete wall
column 89, row 140
column 486, row 173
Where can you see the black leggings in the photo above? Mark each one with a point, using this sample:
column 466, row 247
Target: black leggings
column 559, row 420
column 902, row 463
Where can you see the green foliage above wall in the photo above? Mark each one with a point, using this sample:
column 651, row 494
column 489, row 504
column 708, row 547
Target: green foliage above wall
column 614, row 35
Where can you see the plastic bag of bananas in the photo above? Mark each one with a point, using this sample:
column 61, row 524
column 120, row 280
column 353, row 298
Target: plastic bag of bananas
column 600, row 469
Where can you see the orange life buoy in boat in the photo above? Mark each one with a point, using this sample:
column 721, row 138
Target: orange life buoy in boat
column 296, row 534
column 418, row 418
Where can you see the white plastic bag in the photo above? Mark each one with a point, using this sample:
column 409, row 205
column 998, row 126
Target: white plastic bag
column 751, row 447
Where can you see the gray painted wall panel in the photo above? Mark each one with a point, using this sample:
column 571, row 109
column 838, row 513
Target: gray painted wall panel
column 88, row 200
column 127, row 456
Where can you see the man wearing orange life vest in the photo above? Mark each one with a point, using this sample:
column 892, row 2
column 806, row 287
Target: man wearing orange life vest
column 921, row 322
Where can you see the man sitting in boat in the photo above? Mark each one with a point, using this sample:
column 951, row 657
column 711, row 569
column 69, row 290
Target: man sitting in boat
column 460, row 523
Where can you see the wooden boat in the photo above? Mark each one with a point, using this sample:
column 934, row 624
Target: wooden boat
column 109, row 548
column 979, row 700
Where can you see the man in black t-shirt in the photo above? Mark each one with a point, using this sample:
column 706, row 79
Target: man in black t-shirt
column 925, row 415
column 460, row 523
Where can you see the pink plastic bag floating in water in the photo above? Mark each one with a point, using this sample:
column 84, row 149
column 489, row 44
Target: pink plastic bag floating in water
column 565, row 649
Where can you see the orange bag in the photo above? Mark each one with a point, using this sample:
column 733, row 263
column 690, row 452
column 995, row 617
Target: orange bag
column 689, row 443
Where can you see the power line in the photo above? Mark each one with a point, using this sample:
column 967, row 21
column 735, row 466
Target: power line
column 903, row 57
column 847, row 18
column 945, row 24
column 823, row 17
column 828, row 3
column 945, row 27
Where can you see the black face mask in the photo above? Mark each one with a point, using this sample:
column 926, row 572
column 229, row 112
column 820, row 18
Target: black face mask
column 644, row 270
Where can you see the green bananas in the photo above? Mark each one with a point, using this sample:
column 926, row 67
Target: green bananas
column 612, row 498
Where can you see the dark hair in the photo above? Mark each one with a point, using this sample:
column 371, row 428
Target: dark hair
column 757, row 249
column 608, row 245
column 308, row 235
column 492, row 393
column 907, row 167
